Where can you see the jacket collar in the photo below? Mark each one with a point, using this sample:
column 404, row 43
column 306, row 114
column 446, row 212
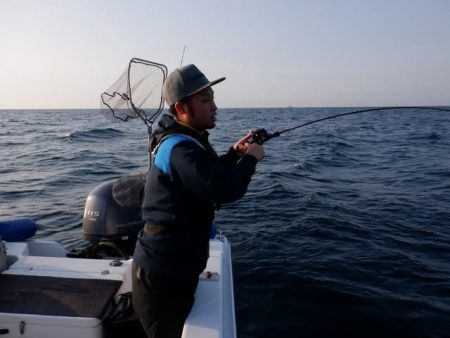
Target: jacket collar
column 168, row 124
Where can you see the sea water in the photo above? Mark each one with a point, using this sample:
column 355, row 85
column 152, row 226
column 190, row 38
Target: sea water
column 344, row 231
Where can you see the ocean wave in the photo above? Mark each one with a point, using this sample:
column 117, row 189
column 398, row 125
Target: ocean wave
column 432, row 136
column 92, row 134
column 15, row 143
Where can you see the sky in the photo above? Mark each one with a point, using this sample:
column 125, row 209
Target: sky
column 57, row 54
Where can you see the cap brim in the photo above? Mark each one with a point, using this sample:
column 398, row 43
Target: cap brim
column 209, row 84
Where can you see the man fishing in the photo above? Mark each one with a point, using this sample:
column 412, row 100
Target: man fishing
column 187, row 182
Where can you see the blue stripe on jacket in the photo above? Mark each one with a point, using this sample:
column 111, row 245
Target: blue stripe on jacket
column 162, row 159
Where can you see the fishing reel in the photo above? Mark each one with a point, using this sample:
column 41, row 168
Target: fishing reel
column 261, row 136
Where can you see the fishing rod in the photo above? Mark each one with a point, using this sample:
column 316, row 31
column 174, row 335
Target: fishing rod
column 261, row 136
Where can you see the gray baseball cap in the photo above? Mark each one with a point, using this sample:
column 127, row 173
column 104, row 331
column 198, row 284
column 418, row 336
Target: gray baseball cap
column 185, row 81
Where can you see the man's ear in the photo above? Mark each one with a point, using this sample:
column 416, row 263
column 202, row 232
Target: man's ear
column 180, row 108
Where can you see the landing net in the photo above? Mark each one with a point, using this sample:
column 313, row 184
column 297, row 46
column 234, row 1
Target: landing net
column 136, row 94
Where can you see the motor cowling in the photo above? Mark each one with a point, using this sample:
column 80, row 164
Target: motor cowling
column 107, row 221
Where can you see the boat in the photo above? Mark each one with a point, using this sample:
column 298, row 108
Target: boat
column 48, row 291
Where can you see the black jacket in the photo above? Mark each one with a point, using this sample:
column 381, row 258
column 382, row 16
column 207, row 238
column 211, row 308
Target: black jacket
column 184, row 186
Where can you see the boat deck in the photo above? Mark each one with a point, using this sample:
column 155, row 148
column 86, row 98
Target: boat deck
column 68, row 286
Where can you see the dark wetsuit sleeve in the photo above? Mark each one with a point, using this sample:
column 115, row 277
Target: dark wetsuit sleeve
column 230, row 158
column 195, row 170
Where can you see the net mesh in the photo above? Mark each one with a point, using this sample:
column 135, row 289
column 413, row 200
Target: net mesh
column 136, row 94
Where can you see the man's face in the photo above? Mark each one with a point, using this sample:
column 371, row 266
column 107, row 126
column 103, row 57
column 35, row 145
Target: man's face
column 202, row 110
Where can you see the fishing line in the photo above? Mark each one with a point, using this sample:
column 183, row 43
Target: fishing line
column 261, row 136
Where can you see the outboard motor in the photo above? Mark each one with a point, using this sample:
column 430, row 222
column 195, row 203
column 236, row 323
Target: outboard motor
column 111, row 222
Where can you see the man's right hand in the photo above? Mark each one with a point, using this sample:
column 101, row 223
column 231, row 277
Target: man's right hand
column 255, row 150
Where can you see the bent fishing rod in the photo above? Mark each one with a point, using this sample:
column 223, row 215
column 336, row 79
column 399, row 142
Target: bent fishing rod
column 261, row 136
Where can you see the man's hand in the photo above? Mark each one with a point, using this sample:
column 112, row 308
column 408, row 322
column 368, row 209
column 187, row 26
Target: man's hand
column 255, row 150
column 242, row 147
